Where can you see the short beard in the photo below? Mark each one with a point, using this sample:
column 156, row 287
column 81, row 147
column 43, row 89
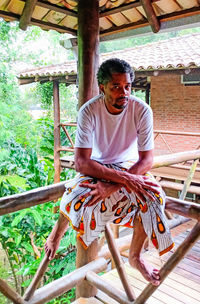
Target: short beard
column 119, row 107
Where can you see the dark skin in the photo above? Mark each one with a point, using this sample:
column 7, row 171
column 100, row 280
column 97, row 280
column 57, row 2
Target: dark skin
column 117, row 95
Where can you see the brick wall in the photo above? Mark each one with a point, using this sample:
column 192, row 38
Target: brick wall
column 176, row 108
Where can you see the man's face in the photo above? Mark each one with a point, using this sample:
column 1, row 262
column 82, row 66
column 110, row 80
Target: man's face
column 117, row 92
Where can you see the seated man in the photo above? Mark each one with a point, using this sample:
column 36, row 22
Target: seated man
column 114, row 151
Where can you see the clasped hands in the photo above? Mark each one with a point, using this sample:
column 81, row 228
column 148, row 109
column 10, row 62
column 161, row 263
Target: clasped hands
column 139, row 184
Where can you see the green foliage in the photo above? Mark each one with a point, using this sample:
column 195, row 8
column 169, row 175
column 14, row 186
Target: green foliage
column 23, row 229
column 44, row 93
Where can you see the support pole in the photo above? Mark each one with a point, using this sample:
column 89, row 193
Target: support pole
column 88, row 49
column 56, row 103
column 88, row 61
column 83, row 257
column 36, row 279
column 188, row 180
column 118, row 263
column 10, row 293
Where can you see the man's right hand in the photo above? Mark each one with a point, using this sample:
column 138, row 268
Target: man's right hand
column 99, row 191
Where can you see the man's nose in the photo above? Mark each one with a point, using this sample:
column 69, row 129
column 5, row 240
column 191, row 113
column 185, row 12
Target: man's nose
column 123, row 91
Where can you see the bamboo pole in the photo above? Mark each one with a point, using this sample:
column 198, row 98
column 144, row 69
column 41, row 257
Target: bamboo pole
column 175, row 158
column 177, row 256
column 151, row 16
column 36, row 279
column 118, row 263
column 68, row 136
column 106, row 287
column 31, row 198
column 177, row 133
column 57, row 143
column 184, row 208
column 26, row 14
column 10, row 293
column 88, row 49
column 83, row 257
column 188, row 180
column 62, row 285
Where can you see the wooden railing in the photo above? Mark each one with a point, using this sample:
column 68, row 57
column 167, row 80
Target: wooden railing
column 87, row 273
column 157, row 134
column 160, row 133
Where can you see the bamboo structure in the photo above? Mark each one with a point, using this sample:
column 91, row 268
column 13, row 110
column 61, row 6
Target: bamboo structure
column 81, row 277
column 119, row 263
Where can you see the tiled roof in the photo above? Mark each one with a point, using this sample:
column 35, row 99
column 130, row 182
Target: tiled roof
column 175, row 53
column 114, row 15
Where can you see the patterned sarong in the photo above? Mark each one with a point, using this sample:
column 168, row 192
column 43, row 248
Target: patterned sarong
column 120, row 208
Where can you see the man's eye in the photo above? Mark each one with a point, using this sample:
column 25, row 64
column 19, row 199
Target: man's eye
column 116, row 87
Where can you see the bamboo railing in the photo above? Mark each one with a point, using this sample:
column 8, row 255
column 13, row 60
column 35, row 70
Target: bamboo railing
column 157, row 134
column 88, row 272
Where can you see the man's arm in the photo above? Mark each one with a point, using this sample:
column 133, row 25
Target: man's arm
column 117, row 179
column 143, row 164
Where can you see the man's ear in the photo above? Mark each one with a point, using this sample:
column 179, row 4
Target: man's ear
column 101, row 87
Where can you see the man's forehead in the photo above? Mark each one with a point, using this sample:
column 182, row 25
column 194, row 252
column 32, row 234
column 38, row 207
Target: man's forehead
column 120, row 77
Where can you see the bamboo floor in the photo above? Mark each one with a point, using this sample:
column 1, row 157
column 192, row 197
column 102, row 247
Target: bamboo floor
column 181, row 286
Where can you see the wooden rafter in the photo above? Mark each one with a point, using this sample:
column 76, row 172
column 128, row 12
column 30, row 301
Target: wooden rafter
column 121, row 8
column 27, row 14
column 151, row 16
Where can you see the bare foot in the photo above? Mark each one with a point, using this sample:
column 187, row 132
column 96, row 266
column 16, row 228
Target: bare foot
column 149, row 273
column 51, row 247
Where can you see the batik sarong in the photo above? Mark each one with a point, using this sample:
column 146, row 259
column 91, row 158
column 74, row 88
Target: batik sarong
column 120, row 209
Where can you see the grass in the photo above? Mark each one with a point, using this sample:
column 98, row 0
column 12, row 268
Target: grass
column 14, row 180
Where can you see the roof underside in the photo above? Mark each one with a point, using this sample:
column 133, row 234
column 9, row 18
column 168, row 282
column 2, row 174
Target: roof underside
column 117, row 18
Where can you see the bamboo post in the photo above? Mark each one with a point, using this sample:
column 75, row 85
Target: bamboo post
column 38, row 276
column 57, row 143
column 10, row 293
column 88, row 61
column 188, row 180
column 88, row 44
column 106, row 287
column 118, row 263
column 176, row 257
column 83, row 257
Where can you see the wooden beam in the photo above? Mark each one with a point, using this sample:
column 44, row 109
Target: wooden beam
column 188, row 180
column 31, row 198
column 57, row 141
column 83, row 257
column 184, row 208
column 88, row 49
column 170, row 159
column 36, row 279
column 62, row 285
column 56, row 8
column 151, row 16
column 106, row 287
column 179, row 186
column 10, row 293
column 175, row 258
column 121, row 8
column 119, row 263
column 51, row 26
column 27, row 14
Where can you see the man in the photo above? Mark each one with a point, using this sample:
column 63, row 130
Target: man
column 114, row 151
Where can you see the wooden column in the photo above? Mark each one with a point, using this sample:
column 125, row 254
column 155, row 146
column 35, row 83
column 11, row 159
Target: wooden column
column 84, row 289
column 88, row 62
column 56, row 104
column 88, row 49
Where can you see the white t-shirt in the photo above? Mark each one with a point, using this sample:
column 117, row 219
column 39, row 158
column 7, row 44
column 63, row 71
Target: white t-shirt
column 115, row 138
